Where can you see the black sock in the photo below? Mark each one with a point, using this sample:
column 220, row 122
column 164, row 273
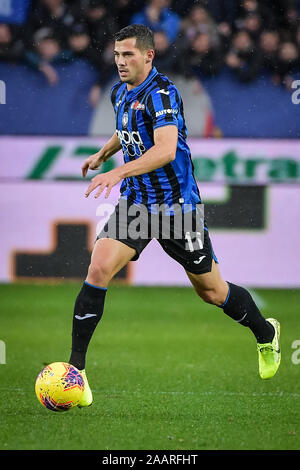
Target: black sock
column 240, row 306
column 88, row 311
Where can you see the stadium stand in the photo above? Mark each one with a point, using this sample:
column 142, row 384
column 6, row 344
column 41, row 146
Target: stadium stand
column 236, row 62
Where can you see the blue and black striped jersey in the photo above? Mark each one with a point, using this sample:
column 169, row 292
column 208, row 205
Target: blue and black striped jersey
column 154, row 103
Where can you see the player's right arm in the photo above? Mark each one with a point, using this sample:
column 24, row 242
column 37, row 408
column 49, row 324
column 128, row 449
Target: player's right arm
column 94, row 162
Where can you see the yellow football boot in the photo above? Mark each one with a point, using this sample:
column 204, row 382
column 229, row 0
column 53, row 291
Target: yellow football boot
column 269, row 354
column 87, row 396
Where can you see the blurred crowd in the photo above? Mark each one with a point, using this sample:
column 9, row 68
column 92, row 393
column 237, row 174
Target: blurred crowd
column 192, row 38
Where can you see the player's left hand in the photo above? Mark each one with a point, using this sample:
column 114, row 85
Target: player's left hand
column 104, row 180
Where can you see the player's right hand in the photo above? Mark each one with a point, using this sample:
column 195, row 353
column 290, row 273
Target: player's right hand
column 91, row 163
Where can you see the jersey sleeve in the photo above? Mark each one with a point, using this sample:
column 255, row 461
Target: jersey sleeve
column 163, row 106
column 113, row 93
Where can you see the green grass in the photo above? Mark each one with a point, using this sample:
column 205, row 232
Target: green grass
column 167, row 372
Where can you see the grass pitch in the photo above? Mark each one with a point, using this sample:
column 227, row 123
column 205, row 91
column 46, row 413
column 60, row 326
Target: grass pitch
column 167, row 372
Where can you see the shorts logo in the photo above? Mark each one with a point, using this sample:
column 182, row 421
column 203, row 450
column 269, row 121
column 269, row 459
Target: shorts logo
column 198, row 261
column 125, row 120
column 163, row 112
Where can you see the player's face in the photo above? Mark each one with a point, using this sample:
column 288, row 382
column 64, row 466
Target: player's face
column 133, row 64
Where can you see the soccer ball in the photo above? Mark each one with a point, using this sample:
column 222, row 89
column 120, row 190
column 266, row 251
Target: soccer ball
column 59, row 386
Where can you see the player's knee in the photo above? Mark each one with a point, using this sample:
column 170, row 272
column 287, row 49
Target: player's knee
column 210, row 296
column 99, row 274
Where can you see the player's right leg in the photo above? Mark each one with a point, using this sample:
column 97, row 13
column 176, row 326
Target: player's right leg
column 108, row 257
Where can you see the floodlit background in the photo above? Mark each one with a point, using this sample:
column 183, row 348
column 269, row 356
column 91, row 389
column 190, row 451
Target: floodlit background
column 237, row 66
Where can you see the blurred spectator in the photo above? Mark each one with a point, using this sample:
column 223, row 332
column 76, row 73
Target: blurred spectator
column 123, row 10
column 279, row 11
column 225, row 35
column 288, row 63
column 201, row 58
column 101, row 24
column 11, row 48
column 182, row 7
column 47, row 52
column 292, row 17
column 297, row 37
column 244, row 58
column 107, row 70
column 252, row 23
column 269, row 45
column 248, row 8
column 223, row 11
column 206, row 55
column 54, row 14
column 102, row 27
column 14, row 12
column 165, row 57
column 159, row 17
column 199, row 21
column 79, row 42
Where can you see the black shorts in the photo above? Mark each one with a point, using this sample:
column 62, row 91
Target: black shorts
column 189, row 246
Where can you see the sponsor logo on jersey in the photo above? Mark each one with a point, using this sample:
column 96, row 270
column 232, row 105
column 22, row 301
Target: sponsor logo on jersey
column 131, row 142
column 137, row 105
column 166, row 111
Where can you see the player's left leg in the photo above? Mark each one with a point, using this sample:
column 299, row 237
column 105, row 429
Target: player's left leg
column 195, row 253
column 237, row 303
column 210, row 286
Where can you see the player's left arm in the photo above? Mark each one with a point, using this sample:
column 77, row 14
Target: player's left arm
column 162, row 152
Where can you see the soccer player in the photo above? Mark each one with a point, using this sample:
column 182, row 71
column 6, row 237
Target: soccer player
column 157, row 170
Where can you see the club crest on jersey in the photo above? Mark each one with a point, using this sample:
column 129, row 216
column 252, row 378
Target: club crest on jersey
column 137, row 105
column 125, row 119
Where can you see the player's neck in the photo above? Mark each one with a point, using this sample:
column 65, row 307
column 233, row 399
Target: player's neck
column 140, row 79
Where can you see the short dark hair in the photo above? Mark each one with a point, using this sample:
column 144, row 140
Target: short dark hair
column 143, row 34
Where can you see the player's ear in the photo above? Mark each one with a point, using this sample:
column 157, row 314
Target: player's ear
column 149, row 55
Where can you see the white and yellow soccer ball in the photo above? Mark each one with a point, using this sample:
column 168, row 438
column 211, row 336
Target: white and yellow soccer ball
column 59, row 386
